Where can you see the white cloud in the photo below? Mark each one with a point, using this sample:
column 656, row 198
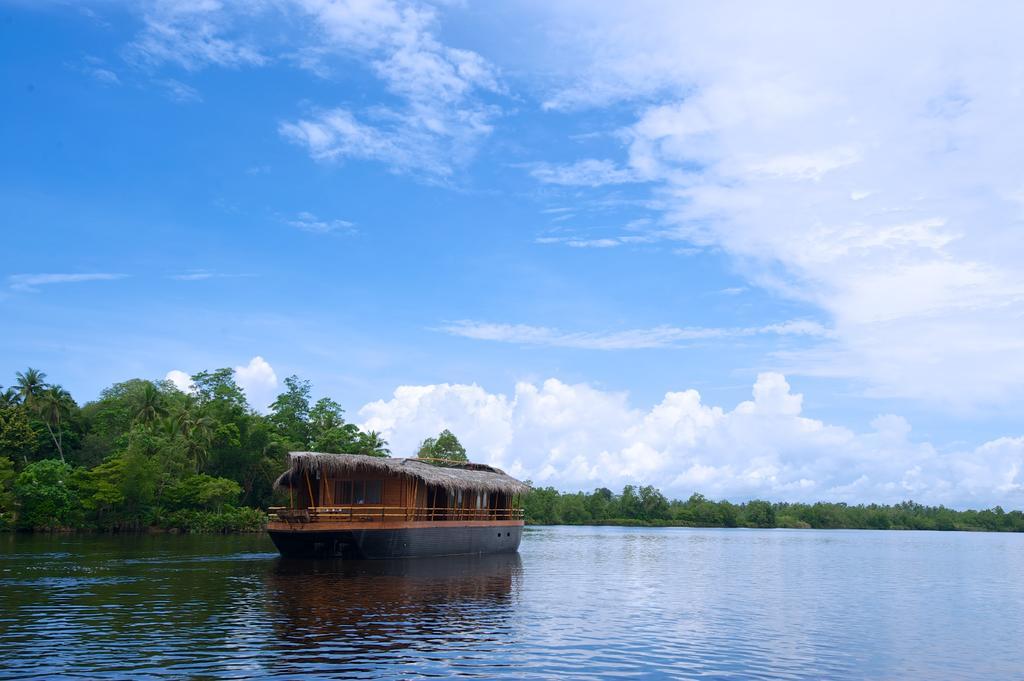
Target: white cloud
column 203, row 275
column 882, row 185
column 308, row 222
column 336, row 134
column 602, row 242
column 192, row 35
column 434, row 126
column 179, row 92
column 258, row 380
column 630, row 339
column 587, row 172
column 97, row 69
column 105, row 76
column 575, row 436
column 30, row 282
column 180, row 379
column 441, row 119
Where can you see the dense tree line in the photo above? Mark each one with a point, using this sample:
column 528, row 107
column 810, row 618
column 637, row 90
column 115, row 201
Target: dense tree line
column 647, row 506
column 146, row 454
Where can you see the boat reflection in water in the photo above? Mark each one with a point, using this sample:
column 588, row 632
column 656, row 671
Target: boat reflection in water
column 352, row 615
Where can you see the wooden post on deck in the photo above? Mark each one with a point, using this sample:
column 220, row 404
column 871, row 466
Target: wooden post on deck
column 325, row 489
column 309, row 488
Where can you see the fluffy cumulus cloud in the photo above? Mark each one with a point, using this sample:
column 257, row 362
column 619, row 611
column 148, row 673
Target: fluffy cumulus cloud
column 576, row 436
column 864, row 159
column 257, row 378
column 180, row 379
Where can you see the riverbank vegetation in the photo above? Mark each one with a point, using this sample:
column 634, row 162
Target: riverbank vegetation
column 146, row 455
column 646, row 506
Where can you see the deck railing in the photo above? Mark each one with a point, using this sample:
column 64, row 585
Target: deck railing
column 368, row 513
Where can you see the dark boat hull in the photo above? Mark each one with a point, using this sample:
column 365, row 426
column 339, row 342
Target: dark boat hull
column 402, row 542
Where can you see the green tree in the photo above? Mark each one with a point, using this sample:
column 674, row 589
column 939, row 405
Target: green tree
column 214, row 493
column 629, row 503
column 150, row 405
column 760, row 513
column 372, row 444
column 17, row 439
column 343, row 439
column 219, row 386
column 290, row 412
column 325, row 415
column 598, row 503
column 445, row 447
column 196, row 429
column 541, row 506
column 45, row 496
column 8, row 502
column 653, row 504
column 54, row 406
column 9, row 398
column 31, row 384
column 102, row 491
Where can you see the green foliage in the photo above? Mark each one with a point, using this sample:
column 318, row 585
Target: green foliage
column 229, row 519
column 647, row 506
column 290, row 412
column 17, row 439
column 325, row 415
column 371, row 444
column 219, row 387
column 8, row 502
column 45, row 496
column 444, row 447
column 759, row 513
column 338, row 440
column 146, row 454
column 203, row 492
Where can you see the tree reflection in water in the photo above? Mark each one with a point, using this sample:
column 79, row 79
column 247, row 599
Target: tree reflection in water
column 361, row 614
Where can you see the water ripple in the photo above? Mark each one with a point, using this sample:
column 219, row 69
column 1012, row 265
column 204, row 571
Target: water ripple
column 578, row 603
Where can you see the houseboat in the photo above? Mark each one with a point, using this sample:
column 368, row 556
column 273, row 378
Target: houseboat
column 350, row 505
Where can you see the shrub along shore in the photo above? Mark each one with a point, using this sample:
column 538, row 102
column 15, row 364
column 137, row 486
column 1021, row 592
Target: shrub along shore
column 647, row 507
column 147, row 456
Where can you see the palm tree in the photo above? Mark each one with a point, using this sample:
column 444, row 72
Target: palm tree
column 54, row 404
column 149, row 405
column 8, row 398
column 373, row 444
column 168, row 427
column 197, row 429
column 31, row 384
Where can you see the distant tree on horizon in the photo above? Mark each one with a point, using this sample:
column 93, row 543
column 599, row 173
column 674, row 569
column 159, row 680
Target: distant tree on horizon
column 445, row 447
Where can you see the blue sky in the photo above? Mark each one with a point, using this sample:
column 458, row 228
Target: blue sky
column 542, row 226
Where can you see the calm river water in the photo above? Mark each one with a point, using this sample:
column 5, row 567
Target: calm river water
column 575, row 603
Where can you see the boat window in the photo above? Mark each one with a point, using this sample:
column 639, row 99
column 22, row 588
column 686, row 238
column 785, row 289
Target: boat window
column 367, row 491
column 343, row 492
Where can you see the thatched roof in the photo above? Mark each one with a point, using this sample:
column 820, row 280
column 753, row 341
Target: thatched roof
column 468, row 476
